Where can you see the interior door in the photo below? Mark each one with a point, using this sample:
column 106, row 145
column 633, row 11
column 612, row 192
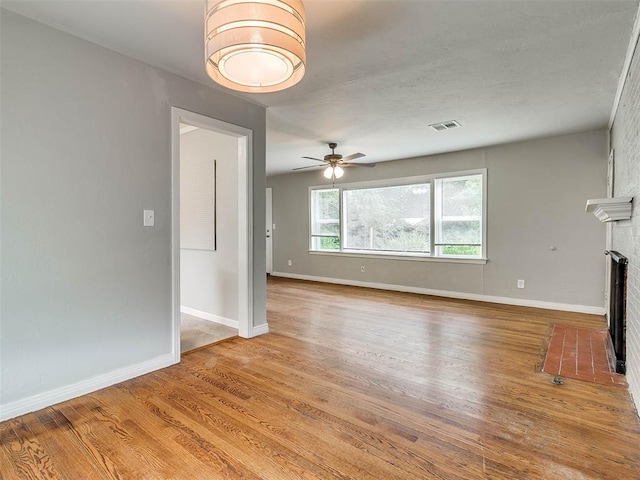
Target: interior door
column 269, row 230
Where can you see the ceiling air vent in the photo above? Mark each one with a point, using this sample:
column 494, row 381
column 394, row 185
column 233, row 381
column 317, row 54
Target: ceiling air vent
column 439, row 127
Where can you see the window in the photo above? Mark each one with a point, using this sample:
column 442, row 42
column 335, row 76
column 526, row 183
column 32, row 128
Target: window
column 435, row 216
column 458, row 216
column 387, row 219
column 325, row 220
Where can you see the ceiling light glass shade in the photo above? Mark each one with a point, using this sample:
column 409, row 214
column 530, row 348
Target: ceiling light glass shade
column 336, row 171
column 255, row 46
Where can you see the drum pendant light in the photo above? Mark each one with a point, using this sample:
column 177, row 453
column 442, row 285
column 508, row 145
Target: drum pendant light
column 255, row 46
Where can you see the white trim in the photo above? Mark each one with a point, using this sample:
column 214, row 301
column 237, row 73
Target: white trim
column 175, row 235
column 633, row 42
column 406, row 256
column 399, row 181
column 566, row 307
column 61, row 394
column 485, row 209
column 260, row 330
column 395, row 182
column 610, row 209
column 245, row 234
column 209, row 317
column 245, row 217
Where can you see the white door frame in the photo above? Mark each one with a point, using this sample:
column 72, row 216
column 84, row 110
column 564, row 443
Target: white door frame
column 245, row 218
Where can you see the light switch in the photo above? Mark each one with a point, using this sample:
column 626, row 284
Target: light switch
column 149, row 218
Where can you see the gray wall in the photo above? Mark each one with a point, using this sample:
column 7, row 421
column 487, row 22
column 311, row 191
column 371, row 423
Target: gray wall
column 625, row 140
column 86, row 146
column 537, row 192
column 209, row 279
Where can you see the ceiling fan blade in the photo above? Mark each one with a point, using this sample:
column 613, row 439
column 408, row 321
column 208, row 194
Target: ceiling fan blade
column 368, row 165
column 318, row 159
column 310, row 166
column 353, row 156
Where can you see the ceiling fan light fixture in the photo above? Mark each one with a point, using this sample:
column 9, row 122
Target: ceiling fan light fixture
column 333, row 172
column 255, row 46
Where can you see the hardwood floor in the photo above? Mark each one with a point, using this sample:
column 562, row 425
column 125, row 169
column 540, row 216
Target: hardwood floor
column 197, row 333
column 350, row 384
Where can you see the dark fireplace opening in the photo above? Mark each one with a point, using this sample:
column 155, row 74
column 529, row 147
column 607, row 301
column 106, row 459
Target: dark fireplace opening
column 617, row 308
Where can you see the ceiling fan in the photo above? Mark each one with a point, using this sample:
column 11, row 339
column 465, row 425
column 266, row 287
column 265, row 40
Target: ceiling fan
column 335, row 162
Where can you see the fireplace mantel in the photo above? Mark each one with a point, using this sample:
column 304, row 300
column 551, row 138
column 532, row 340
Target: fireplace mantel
column 610, row 209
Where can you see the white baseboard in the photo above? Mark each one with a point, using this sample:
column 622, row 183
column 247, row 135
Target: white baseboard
column 210, row 317
column 260, row 330
column 57, row 395
column 566, row 307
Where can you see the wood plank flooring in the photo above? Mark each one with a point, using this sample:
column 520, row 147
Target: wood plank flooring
column 196, row 332
column 350, row 384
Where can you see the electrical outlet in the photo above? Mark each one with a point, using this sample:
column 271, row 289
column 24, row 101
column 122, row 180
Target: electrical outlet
column 520, row 283
column 362, row 268
column 289, row 262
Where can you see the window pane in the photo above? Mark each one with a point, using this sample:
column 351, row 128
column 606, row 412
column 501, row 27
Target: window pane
column 327, row 243
column 394, row 219
column 459, row 215
column 325, row 219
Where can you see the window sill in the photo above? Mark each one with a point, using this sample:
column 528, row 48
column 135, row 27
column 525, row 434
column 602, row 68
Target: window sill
column 409, row 257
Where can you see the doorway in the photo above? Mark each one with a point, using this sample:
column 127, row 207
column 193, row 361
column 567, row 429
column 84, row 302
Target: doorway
column 240, row 258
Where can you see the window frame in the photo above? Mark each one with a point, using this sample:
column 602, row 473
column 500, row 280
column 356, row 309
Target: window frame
column 438, row 218
column 394, row 182
column 316, row 236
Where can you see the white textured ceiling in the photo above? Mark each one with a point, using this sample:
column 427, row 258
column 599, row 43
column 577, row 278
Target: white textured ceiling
column 380, row 71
